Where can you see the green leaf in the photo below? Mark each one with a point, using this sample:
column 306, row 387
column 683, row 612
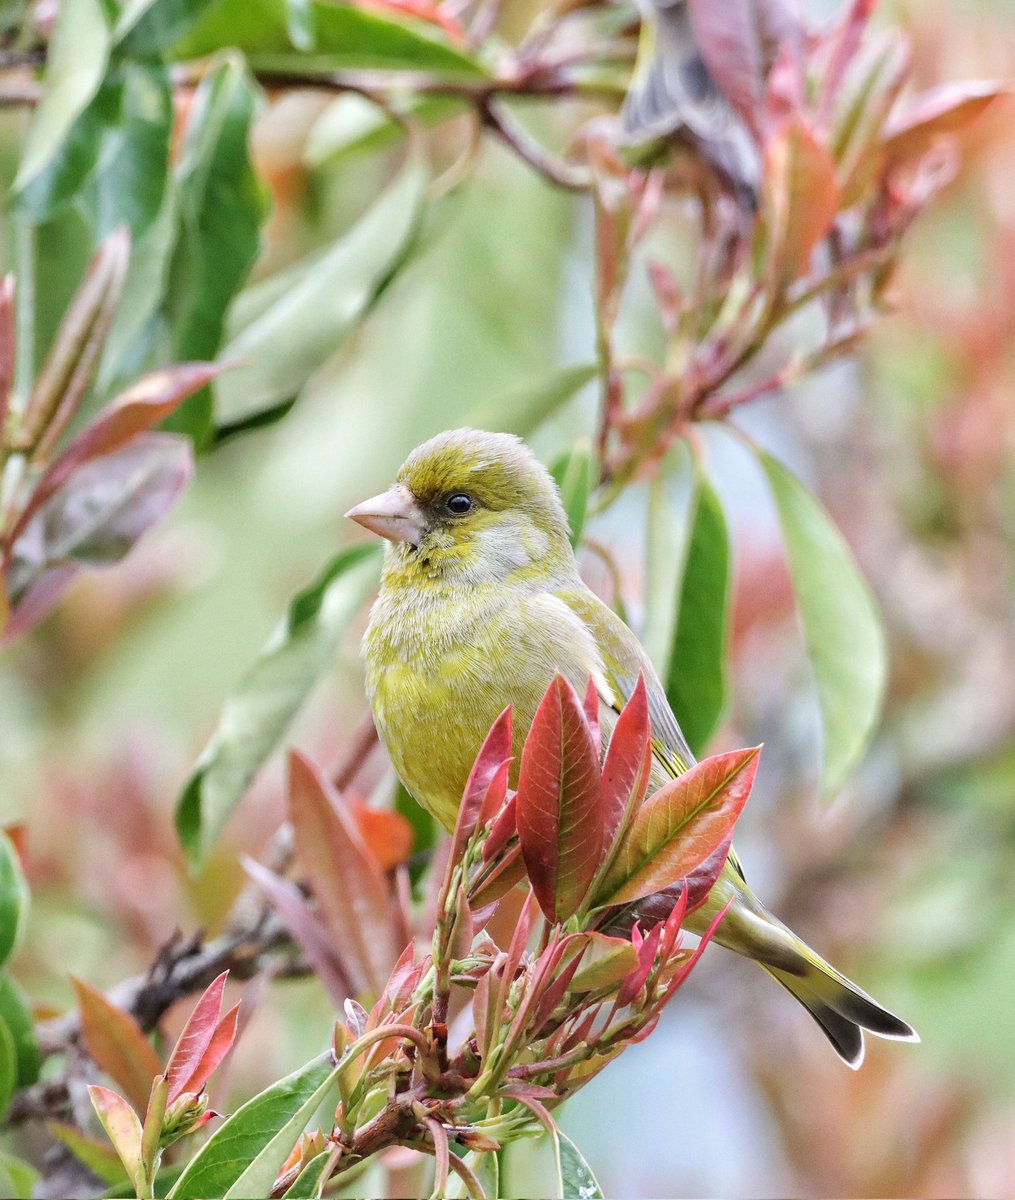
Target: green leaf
column 99, row 1157
column 307, row 1184
column 19, row 1176
column 75, row 66
column 577, row 1180
column 219, row 211
column 14, row 898
column 146, row 28
column 574, row 473
column 113, row 163
column 696, row 676
column 524, row 408
column 257, row 715
column 244, row 1156
column 313, row 306
column 343, row 38
column 16, row 1012
column 842, row 630
column 122, row 1127
column 8, row 1066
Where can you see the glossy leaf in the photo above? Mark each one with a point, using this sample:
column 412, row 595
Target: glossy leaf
column 347, row 882
column 114, row 1040
column 576, row 1177
column 739, row 40
column 14, row 898
column 308, row 1183
column 679, row 827
column 605, row 961
column 628, row 764
column 802, row 196
column 16, row 1011
column 76, row 62
column 219, row 211
column 245, row 1154
column 94, row 519
column 490, row 760
column 842, row 629
column 122, row 1126
column 203, row 1042
column 317, row 304
column 258, row 714
column 559, row 807
column 696, row 676
column 575, row 474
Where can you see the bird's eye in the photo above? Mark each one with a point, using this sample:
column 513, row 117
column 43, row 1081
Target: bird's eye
column 459, row 504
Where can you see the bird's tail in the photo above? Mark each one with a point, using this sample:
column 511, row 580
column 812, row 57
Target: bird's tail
column 842, row 1009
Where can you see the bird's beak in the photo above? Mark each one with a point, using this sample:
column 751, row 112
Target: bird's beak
column 394, row 514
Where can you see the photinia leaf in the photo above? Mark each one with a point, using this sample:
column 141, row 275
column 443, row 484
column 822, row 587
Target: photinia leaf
column 256, row 716
column 628, row 764
column 307, row 927
column 201, row 1042
column 151, row 1128
column 17, row 1013
column 245, row 1154
column 801, row 194
column 605, row 961
column 494, row 752
column 679, row 827
column 739, row 41
column 576, row 1177
column 307, row 1184
column 220, row 207
column 386, row 834
column 696, row 677
column 842, row 630
column 8, row 1066
column 348, row 884
column 14, row 898
column 114, row 1040
column 122, row 1125
column 19, row 1176
column 75, row 65
column 942, row 110
column 101, row 511
column 316, row 304
column 559, row 807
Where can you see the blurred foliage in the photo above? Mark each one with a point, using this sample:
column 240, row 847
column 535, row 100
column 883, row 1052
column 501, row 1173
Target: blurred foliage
column 378, row 262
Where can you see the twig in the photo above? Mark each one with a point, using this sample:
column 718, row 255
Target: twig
column 500, row 122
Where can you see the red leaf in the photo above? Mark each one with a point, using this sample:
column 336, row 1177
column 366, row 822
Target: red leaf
column 195, row 1040
column 115, row 1041
column 628, row 764
column 509, row 871
column 646, row 952
column 386, row 834
column 349, row 885
column 590, row 706
column 559, row 806
column 802, row 196
column 942, row 110
column 142, row 406
column 504, row 828
column 739, row 40
column 496, row 795
column 306, row 926
column 492, row 754
column 680, row 826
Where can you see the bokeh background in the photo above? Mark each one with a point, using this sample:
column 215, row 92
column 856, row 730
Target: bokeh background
column 907, row 882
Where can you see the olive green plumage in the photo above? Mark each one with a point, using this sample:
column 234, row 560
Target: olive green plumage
column 480, row 605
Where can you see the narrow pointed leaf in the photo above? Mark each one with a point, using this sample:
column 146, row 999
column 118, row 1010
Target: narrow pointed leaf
column 559, row 807
column 195, row 1039
column 307, row 1184
column 256, row 716
column 151, row 1130
column 628, row 764
column 680, row 826
column 842, row 630
column 349, row 886
column 114, row 1040
column 802, row 196
column 942, row 110
column 99, row 1157
column 574, row 474
column 494, row 752
column 696, row 678
column 245, row 1154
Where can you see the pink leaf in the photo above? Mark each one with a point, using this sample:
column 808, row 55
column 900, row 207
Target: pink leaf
column 942, row 110
column 802, row 196
column 628, row 764
column 559, row 806
column 680, row 826
column 195, row 1039
column 121, row 1123
column 496, row 749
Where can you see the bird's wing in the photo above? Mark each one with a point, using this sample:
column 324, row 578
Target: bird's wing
column 624, row 659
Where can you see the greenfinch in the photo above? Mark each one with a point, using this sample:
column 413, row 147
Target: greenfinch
column 480, row 605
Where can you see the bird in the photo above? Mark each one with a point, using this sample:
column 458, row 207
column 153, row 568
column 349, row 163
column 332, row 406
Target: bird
column 481, row 605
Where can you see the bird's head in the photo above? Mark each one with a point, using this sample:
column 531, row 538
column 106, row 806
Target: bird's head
column 473, row 507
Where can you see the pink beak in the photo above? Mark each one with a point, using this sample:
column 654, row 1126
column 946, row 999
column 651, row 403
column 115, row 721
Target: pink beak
column 393, row 514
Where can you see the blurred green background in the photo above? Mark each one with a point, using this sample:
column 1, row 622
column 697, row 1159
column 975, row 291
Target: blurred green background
column 907, row 882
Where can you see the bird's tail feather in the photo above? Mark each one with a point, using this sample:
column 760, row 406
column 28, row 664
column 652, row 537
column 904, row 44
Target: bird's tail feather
column 842, row 1009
